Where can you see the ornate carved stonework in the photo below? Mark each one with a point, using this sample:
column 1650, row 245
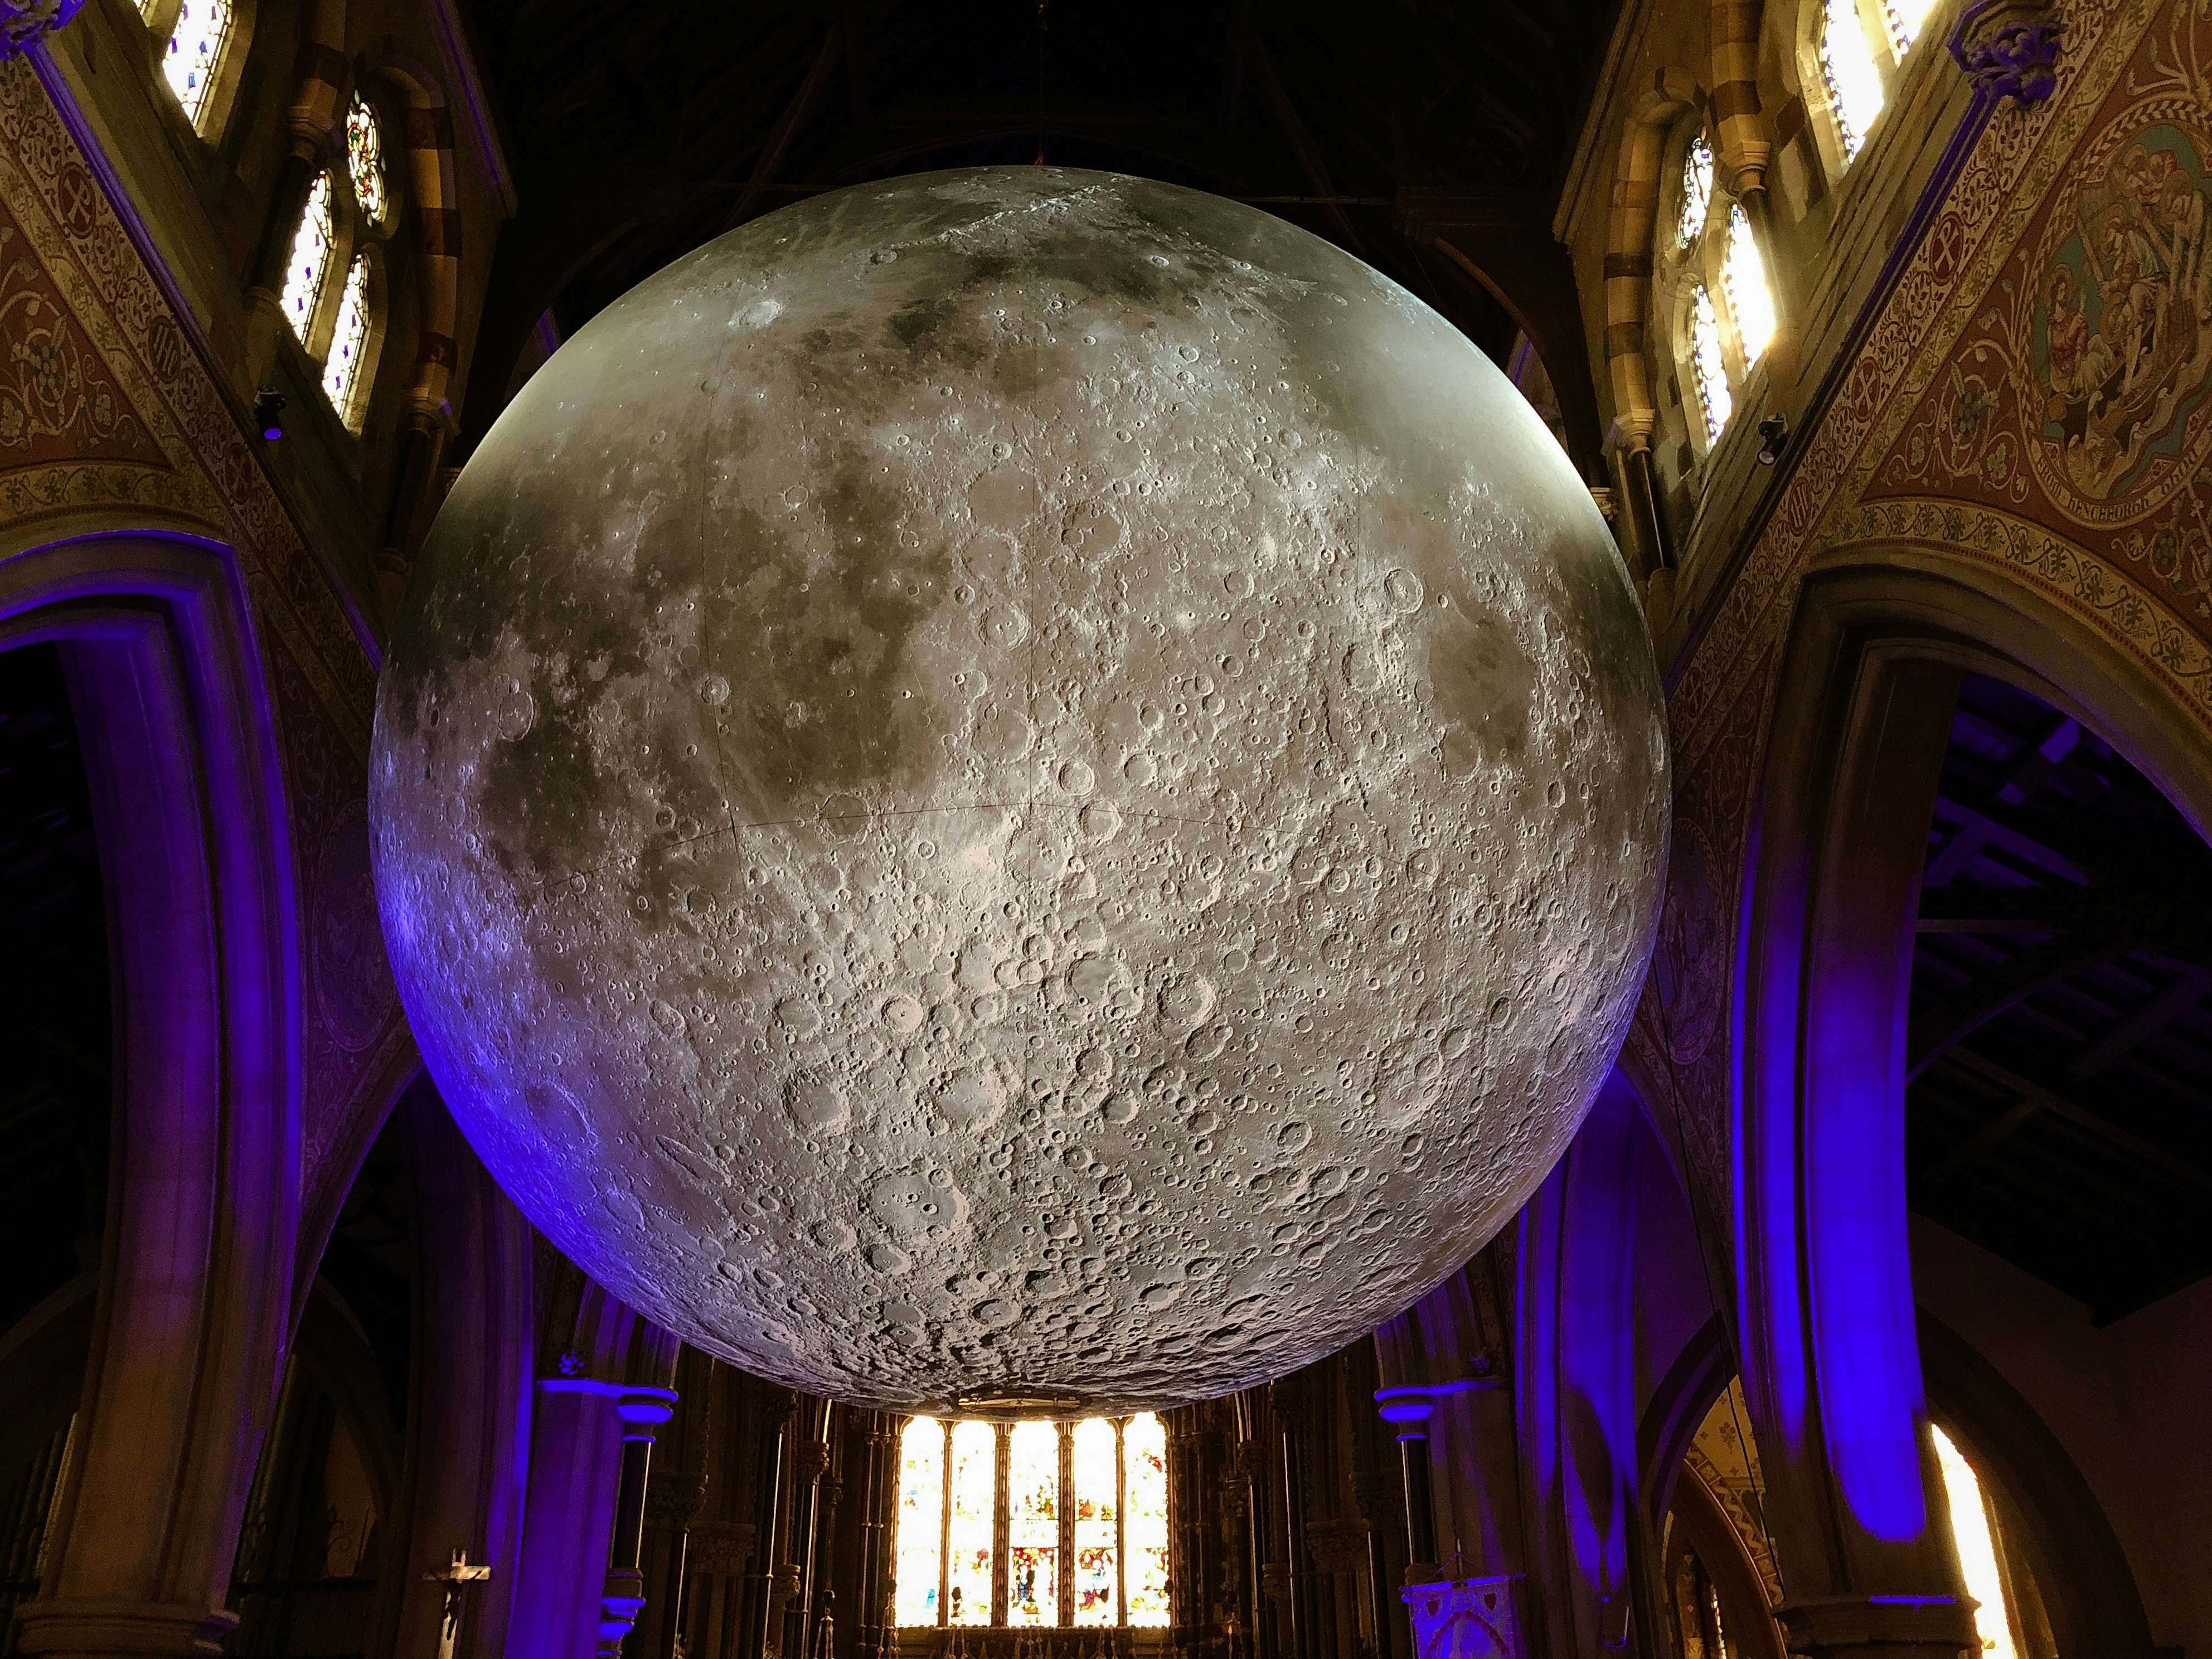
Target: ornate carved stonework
column 24, row 23
column 1337, row 1543
column 719, row 1547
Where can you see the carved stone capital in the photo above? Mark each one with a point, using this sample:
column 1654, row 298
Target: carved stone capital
column 2009, row 48
column 810, row 1460
column 675, row 1501
column 1275, row 1580
column 719, row 1547
column 24, row 23
column 1376, row 1491
column 90, row 1624
column 1339, row 1543
column 1876, row 1626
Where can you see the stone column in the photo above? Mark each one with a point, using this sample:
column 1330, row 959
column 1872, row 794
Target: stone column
column 1407, row 1410
column 810, row 1462
column 642, row 1410
column 1288, row 1401
column 1376, row 1495
column 761, row 1598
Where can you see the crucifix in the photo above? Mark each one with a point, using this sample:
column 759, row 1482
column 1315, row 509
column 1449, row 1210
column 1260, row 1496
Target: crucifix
column 456, row 1578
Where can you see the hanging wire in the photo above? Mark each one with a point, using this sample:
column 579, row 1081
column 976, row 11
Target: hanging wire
column 1042, row 25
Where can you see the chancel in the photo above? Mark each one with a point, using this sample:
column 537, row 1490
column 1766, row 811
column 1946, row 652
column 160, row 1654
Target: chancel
column 1050, row 830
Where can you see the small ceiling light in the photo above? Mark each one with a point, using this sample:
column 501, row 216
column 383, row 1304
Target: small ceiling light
column 268, row 413
column 1774, row 434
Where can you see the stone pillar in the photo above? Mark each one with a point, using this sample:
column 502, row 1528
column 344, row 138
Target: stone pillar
column 1375, row 1494
column 761, row 1598
column 1288, row 1401
column 810, row 1463
column 1407, row 1410
column 641, row 1410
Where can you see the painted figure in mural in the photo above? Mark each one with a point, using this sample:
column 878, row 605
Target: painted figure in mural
column 2127, row 301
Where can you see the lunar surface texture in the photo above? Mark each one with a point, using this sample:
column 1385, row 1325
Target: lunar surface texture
column 1019, row 785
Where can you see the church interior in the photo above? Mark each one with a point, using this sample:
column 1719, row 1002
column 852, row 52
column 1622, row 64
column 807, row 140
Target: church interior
column 1866, row 1312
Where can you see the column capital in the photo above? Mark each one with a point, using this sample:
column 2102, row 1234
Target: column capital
column 1878, row 1626
column 1407, row 1408
column 2008, row 48
column 25, row 23
column 96, row 1627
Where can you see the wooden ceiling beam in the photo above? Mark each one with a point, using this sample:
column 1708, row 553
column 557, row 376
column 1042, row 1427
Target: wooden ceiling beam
column 2154, row 1016
column 1310, row 159
column 1983, row 998
column 794, row 116
column 2180, row 1168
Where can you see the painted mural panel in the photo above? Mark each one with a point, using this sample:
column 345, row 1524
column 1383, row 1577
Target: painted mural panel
column 2078, row 395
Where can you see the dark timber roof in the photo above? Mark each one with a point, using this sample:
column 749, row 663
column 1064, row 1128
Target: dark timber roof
column 639, row 132
column 2061, row 1115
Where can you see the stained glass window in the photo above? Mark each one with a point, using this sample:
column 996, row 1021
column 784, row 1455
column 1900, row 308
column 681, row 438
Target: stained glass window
column 365, row 158
column 310, row 264
column 1097, row 1488
column 1743, row 278
column 1697, row 190
column 1705, row 360
column 974, row 1472
column 348, row 340
column 1975, row 1541
column 1145, row 1525
column 1905, row 19
column 1097, row 1509
column 1032, row 1525
column 196, row 52
column 1847, row 65
column 920, row 1521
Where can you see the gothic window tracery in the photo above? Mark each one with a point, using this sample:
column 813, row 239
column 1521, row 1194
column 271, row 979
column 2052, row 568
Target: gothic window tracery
column 1708, row 364
column 1743, row 282
column 309, row 266
column 1079, row 1512
column 1904, row 19
column 343, row 381
column 1696, row 191
column 195, row 52
column 365, row 158
column 1973, row 1541
column 1853, row 79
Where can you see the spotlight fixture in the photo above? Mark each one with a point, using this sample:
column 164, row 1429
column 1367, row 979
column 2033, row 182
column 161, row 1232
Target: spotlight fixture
column 268, row 413
column 1773, row 433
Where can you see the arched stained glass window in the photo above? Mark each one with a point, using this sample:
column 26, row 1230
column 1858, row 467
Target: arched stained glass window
column 305, row 271
column 920, row 1522
column 1743, row 278
column 1032, row 1525
column 342, row 378
column 1905, row 19
column 1097, row 1472
column 1975, row 1541
column 971, row 1537
column 1847, row 65
column 1144, row 1527
column 365, row 158
column 1706, row 362
column 1696, row 191
column 196, row 52
column 1079, row 1512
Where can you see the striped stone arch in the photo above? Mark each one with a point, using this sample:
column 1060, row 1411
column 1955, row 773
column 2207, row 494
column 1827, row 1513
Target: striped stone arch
column 315, row 121
column 426, row 144
column 1629, row 260
column 1637, row 188
column 1742, row 144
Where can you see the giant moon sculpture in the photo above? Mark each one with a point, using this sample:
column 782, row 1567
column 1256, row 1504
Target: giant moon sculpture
column 1019, row 786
